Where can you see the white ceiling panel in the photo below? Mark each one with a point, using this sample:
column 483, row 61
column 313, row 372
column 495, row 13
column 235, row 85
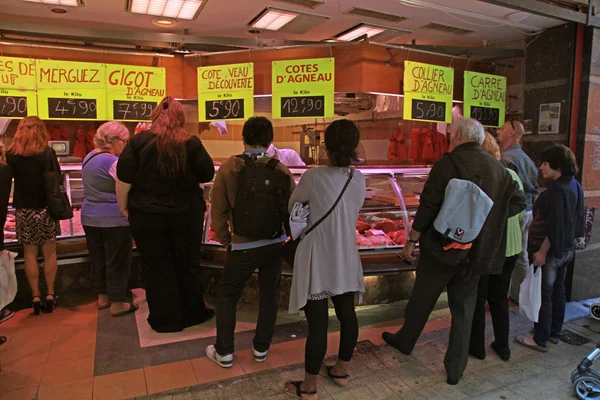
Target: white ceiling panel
column 229, row 18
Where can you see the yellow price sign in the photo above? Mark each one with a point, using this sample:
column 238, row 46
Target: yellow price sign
column 485, row 98
column 71, row 90
column 428, row 91
column 17, row 87
column 226, row 92
column 303, row 88
column 133, row 92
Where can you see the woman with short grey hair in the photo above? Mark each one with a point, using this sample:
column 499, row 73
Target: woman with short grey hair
column 106, row 229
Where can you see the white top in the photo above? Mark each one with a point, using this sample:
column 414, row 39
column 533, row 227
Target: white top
column 287, row 157
column 327, row 259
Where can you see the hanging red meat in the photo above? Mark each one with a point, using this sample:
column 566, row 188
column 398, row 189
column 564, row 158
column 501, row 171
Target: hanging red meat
column 397, row 149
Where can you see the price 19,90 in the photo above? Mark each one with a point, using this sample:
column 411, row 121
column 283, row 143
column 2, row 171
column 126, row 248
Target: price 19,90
column 133, row 110
column 309, row 106
column 487, row 116
column 62, row 108
column 428, row 110
column 11, row 106
column 224, row 109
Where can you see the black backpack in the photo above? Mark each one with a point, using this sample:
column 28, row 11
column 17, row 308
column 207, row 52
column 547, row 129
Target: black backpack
column 261, row 200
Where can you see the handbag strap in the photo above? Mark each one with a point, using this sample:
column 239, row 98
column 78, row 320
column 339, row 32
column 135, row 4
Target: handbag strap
column 459, row 166
column 334, row 204
column 49, row 165
column 90, row 159
column 145, row 149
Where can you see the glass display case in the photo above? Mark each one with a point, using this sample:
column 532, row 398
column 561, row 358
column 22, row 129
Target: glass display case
column 385, row 219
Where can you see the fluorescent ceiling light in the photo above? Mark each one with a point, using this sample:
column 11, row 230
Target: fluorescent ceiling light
column 359, row 31
column 72, row 3
column 273, row 19
column 182, row 9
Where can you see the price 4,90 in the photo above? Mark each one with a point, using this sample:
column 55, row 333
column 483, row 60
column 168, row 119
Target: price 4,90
column 72, row 108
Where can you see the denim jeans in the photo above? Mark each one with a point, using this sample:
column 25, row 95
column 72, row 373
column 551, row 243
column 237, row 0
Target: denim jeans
column 552, row 311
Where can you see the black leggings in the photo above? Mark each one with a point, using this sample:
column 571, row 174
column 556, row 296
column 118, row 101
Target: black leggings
column 317, row 317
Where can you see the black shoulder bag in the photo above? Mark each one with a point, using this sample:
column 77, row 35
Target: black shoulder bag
column 59, row 206
column 288, row 251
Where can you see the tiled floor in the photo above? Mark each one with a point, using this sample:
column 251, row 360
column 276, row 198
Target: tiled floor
column 81, row 353
column 246, row 321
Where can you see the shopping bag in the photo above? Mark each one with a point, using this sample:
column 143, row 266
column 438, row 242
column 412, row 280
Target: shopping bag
column 530, row 294
column 8, row 278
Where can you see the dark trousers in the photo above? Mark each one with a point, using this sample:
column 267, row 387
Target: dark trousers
column 552, row 311
column 493, row 289
column 110, row 253
column 169, row 246
column 317, row 316
column 431, row 279
column 238, row 269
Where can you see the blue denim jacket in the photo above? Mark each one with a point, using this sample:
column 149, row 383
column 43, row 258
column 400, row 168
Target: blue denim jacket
column 515, row 158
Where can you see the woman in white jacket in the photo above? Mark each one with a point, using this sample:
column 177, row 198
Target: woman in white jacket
column 327, row 263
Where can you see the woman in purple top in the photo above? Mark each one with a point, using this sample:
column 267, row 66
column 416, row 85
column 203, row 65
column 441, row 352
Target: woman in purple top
column 106, row 229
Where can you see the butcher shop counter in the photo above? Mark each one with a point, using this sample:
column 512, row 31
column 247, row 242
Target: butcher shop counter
column 383, row 224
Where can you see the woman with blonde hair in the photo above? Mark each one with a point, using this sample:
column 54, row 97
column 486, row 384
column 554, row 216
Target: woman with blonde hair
column 28, row 156
column 106, row 229
column 493, row 289
column 158, row 188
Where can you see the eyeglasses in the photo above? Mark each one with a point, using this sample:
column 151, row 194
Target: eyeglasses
column 512, row 124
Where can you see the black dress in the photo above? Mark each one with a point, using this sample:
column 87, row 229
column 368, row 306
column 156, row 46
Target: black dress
column 166, row 217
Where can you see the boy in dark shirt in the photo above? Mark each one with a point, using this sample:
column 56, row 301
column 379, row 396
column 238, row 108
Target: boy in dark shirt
column 558, row 221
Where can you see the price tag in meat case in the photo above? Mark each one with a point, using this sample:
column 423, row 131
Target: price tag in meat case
column 303, row 88
column 17, row 87
column 485, row 98
column 71, row 90
column 133, row 92
column 226, row 92
column 428, row 91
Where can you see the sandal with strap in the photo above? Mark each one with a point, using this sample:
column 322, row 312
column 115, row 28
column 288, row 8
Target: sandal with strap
column 50, row 304
column 37, row 305
column 299, row 392
column 334, row 378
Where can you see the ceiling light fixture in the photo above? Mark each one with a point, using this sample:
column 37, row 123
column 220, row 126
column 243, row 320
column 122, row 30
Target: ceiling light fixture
column 377, row 33
column 358, row 31
column 273, row 19
column 181, row 9
column 70, row 3
column 164, row 22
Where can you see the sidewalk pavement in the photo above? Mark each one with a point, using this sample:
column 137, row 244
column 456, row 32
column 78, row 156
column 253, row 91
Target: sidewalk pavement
column 380, row 372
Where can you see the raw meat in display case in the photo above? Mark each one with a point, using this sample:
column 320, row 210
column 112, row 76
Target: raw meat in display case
column 390, row 204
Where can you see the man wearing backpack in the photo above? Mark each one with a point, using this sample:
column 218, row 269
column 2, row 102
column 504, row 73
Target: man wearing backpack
column 249, row 212
column 485, row 254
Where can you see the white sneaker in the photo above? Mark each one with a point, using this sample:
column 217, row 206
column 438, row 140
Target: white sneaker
column 223, row 361
column 260, row 357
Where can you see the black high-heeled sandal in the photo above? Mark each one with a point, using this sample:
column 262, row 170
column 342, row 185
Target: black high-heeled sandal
column 36, row 305
column 50, row 304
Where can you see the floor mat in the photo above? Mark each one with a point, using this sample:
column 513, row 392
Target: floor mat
column 573, row 338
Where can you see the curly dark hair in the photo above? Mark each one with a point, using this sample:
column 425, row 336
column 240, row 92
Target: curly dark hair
column 561, row 158
column 341, row 139
column 258, row 131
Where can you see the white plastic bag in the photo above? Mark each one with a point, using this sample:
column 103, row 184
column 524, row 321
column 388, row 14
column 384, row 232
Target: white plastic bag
column 8, row 278
column 530, row 294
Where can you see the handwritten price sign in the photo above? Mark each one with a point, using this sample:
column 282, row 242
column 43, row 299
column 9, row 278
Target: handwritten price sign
column 17, row 87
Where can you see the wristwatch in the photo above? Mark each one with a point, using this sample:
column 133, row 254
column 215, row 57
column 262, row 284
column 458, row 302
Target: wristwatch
column 413, row 241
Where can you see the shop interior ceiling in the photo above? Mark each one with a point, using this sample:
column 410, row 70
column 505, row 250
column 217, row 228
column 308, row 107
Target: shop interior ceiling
column 222, row 25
